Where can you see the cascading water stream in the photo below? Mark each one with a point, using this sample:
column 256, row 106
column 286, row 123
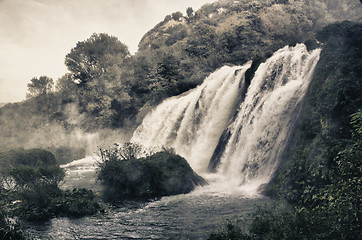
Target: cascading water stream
column 260, row 132
column 193, row 122
column 257, row 126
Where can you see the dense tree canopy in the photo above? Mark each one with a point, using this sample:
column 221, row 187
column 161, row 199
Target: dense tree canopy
column 96, row 66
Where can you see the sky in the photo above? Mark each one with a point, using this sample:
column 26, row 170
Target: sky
column 35, row 35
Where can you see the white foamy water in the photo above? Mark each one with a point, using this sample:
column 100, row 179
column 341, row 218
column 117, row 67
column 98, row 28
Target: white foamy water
column 193, row 122
column 265, row 118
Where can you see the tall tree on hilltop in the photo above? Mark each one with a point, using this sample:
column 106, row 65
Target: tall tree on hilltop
column 39, row 86
column 177, row 15
column 190, row 11
column 95, row 56
column 95, row 66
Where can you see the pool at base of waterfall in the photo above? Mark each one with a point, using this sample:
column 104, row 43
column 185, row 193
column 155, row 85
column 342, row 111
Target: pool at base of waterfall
column 186, row 216
column 190, row 216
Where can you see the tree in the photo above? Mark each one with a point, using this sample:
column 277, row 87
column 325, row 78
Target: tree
column 95, row 56
column 65, row 83
column 39, row 86
column 190, row 11
column 176, row 16
column 95, row 66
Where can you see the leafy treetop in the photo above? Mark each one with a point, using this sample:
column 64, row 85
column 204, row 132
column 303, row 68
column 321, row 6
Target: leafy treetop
column 94, row 56
column 39, row 86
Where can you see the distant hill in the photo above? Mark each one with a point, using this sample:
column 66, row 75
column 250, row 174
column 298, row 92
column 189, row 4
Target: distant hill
column 234, row 32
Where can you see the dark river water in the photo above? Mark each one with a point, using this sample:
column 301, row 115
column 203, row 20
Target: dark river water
column 189, row 216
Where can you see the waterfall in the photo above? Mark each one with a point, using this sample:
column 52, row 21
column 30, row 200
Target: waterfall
column 259, row 133
column 249, row 130
column 193, row 122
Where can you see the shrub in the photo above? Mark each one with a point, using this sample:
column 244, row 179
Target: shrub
column 31, row 157
column 25, row 176
column 126, row 177
column 43, row 202
column 77, row 203
column 9, row 230
column 35, row 177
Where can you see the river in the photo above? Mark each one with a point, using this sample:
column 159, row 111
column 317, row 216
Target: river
column 187, row 216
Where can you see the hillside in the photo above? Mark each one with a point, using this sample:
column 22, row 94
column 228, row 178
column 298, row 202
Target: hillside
column 233, row 32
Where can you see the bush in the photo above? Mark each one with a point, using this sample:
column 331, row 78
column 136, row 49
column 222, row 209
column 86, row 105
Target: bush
column 36, row 202
column 25, row 176
column 77, row 203
column 9, row 230
column 31, row 157
column 161, row 174
column 43, row 202
column 34, row 179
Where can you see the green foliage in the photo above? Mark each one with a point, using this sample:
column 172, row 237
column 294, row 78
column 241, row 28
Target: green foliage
column 95, row 67
column 77, row 203
column 94, row 56
column 42, row 202
column 189, row 12
column 9, row 230
column 129, row 151
column 36, row 202
column 32, row 179
column 25, row 168
column 125, row 175
column 25, row 176
column 39, row 86
column 357, row 121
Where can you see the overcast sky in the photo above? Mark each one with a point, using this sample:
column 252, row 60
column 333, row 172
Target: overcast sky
column 35, row 35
